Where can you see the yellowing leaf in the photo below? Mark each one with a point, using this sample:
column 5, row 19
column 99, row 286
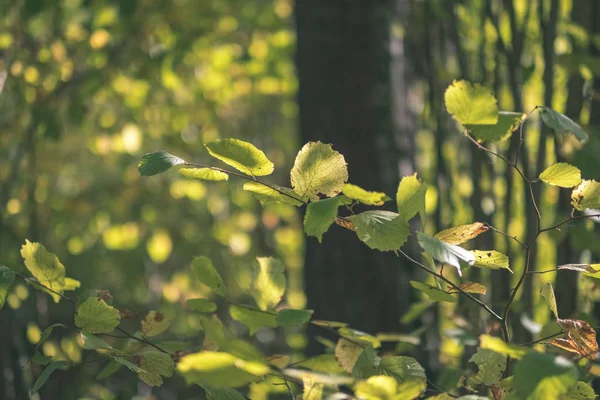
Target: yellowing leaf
column 432, row 292
column 254, row 319
column 157, row 162
column 154, row 324
column 378, row 387
column 45, row 267
column 548, row 293
column 95, row 316
column 206, row 273
column 471, row 104
column 369, row 198
column 268, row 282
column 446, row 253
column 581, row 335
column 347, row 353
column 328, row 324
column 312, row 389
column 409, row 374
column 499, row 346
column 580, row 391
column 491, row 259
column 562, row 174
column 318, row 169
column 410, row 197
column 586, row 195
column 241, row 155
column 381, row 230
column 507, row 123
column 272, row 194
column 204, row 174
column 71, row 284
column 561, row 123
column 325, row 363
column 471, row 287
column 463, row 233
column 320, row 215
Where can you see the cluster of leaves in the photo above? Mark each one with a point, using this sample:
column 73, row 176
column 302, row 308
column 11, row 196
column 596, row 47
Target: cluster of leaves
column 319, row 181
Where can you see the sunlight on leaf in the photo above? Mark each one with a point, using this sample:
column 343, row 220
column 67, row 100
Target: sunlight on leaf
column 491, row 259
column 548, row 293
column 586, row 195
column 45, row 267
column 157, row 162
column 205, row 272
column 471, row 104
column 364, row 196
column 204, row 174
column 581, row 336
column 499, row 346
column 377, row 387
column 410, row 197
column 95, row 316
column 381, row 230
column 446, row 253
column 241, row 155
column 409, row 374
column 347, row 353
column 463, row 233
column 272, row 194
column 311, row 390
column 561, row 174
column 470, row 287
column 268, row 282
column 154, row 324
column 507, row 123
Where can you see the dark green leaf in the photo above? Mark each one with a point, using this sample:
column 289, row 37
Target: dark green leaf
column 293, row 318
column 41, row 380
column 7, row 277
column 381, row 230
column 157, row 162
column 561, row 123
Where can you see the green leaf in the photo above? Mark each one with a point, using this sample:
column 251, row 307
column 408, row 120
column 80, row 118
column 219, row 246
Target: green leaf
column 222, row 394
column 491, row 259
column 157, row 162
column 45, row 267
column 365, row 197
column 46, row 334
column 109, row 369
column 293, row 318
column 580, row 391
column 154, row 324
column 219, row 369
column 499, row 346
column 214, row 333
column 91, row 342
column 446, row 253
column 347, row 353
column 95, row 316
column 151, row 379
column 540, row 376
column 410, row 197
column 409, row 374
column 318, row 169
column 432, row 292
column 7, row 277
column 320, row 215
column 202, row 305
column 41, row 380
column 491, row 366
column 71, row 284
column 507, row 123
column 463, row 233
column 366, row 363
column 562, row 174
column 548, row 293
column 381, row 230
column 586, row 195
column 204, row 174
column 272, row 194
column 153, row 361
column 206, row 273
column 325, row 363
column 40, row 359
column 254, row 319
column 471, row 104
column 242, row 156
column 268, row 282
column 561, row 123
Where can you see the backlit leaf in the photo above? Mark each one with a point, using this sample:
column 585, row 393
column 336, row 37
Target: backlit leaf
column 409, row 374
column 328, row 324
column 410, row 197
column 206, row 273
column 318, row 169
column 7, row 277
column 561, row 123
column 364, row 196
column 548, row 293
column 491, row 366
column 153, row 361
column 154, row 324
column 377, row 387
column 582, row 335
column 320, row 215
column 446, row 253
column 71, row 284
column 562, row 174
column 499, row 346
column 272, row 194
column 41, row 380
column 311, row 390
column 204, row 174
column 95, row 316
column 381, row 230
column 157, row 162
column 580, row 391
column 241, row 155
column 471, row 104
column 347, row 353
column 471, row 287
column 45, row 267
column 254, row 319
column 491, row 259
column 507, row 123
column 325, row 363
column 268, row 282
column 432, row 292
column 325, row 379
column 293, row 318
column 586, row 195
column 463, row 233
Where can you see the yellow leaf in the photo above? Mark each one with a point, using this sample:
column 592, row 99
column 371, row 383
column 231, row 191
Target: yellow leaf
column 463, row 233
column 154, row 324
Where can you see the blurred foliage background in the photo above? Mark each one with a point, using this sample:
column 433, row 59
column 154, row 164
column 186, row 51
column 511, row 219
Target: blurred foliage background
column 89, row 86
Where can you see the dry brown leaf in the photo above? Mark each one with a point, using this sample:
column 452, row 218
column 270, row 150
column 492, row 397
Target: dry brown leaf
column 345, row 223
column 581, row 338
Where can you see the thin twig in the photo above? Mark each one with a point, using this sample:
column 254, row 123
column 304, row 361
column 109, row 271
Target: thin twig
column 571, row 218
column 542, row 339
column 507, row 235
column 500, row 156
column 513, row 295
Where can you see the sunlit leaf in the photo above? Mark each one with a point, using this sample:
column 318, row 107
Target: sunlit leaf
column 328, row 324
column 377, row 387
column 561, row 174
column 154, row 324
column 491, row 259
column 499, row 346
column 364, row 196
column 268, row 282
column 548, row 293
column 491, row 366
column 320, row 215
column 347, row 353
column 325, row 363
column 432, row 292
column 409, row 374
column 586, row 195
column 95, row 316
column 580, row 391
column 471, row 287
column 279, row 360
column 381, row 230
column 45, row 267
column 463, row 233
column 206, row 273
column 318, row 169
column 41, row 380
column 325, row 379
column 204, row 174
column 311, row 390
column 410, row 197
column 241, row 155
column 272, row 194
column 202, row 305
column 446, row 253
column 542, row 376
column 254, row 319
column 7, row 277
column 157, row 162
column 71, row 284
column 582, row 335
column 293, row 318
column 561, row 123
column 471, row 104
column 507, row 123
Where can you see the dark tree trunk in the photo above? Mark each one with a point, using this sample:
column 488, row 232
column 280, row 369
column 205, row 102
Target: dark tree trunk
column 345, row 98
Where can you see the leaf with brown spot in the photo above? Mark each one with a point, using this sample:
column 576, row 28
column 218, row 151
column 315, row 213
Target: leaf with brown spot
column 582, row 335
column 463, row 233
column 470, row 287
column 345, row 223
column 347, row 353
